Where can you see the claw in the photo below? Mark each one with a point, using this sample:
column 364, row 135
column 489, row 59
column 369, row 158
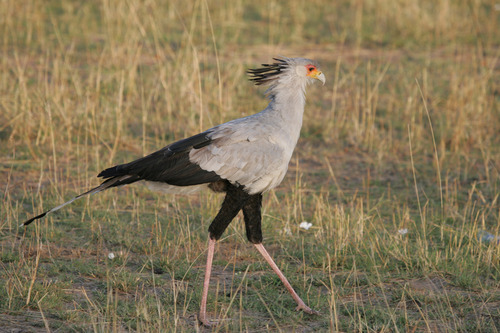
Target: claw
column 306, row 309
column 203, row 320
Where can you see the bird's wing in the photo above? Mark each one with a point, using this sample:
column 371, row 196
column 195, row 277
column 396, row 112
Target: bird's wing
column 170, row 165
column 244, row 156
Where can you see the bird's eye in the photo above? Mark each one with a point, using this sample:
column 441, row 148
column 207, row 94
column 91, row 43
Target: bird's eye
column 311, row 69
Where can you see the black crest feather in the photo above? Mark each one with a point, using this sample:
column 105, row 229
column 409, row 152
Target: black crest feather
column 268, row 72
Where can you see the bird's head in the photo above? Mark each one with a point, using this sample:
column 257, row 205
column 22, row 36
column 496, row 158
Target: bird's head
column 297, row 69
column 310, row 69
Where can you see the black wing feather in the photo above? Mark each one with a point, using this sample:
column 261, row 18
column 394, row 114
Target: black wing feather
column 170, row 165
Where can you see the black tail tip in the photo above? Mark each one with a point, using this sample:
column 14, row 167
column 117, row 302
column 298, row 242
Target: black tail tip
column 27, row 222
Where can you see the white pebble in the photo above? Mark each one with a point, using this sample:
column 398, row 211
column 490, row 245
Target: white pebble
column 305, row 225
column 403, row 231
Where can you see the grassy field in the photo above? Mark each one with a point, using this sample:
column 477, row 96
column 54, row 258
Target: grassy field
column 405, row 136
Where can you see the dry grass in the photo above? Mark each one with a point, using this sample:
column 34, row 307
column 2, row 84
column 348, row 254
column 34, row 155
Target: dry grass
column 405, row 135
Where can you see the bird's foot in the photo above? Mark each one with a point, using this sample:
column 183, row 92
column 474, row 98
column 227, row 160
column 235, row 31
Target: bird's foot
column 203, row 320
column 306, row 309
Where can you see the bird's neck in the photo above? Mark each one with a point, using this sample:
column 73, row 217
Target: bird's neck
column 288, row 103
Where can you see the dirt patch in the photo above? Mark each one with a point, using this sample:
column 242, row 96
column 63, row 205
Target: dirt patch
column 428, row 284
column 30, row 321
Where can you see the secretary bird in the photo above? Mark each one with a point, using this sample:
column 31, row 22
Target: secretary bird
column 243, row 158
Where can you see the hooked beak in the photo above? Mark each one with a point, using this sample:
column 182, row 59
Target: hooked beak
column 320, row 76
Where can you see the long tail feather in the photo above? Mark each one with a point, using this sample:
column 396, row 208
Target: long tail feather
column 117, row 181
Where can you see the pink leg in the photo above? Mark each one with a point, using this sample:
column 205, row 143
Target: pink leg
column 202, row 317
column 301, row 305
